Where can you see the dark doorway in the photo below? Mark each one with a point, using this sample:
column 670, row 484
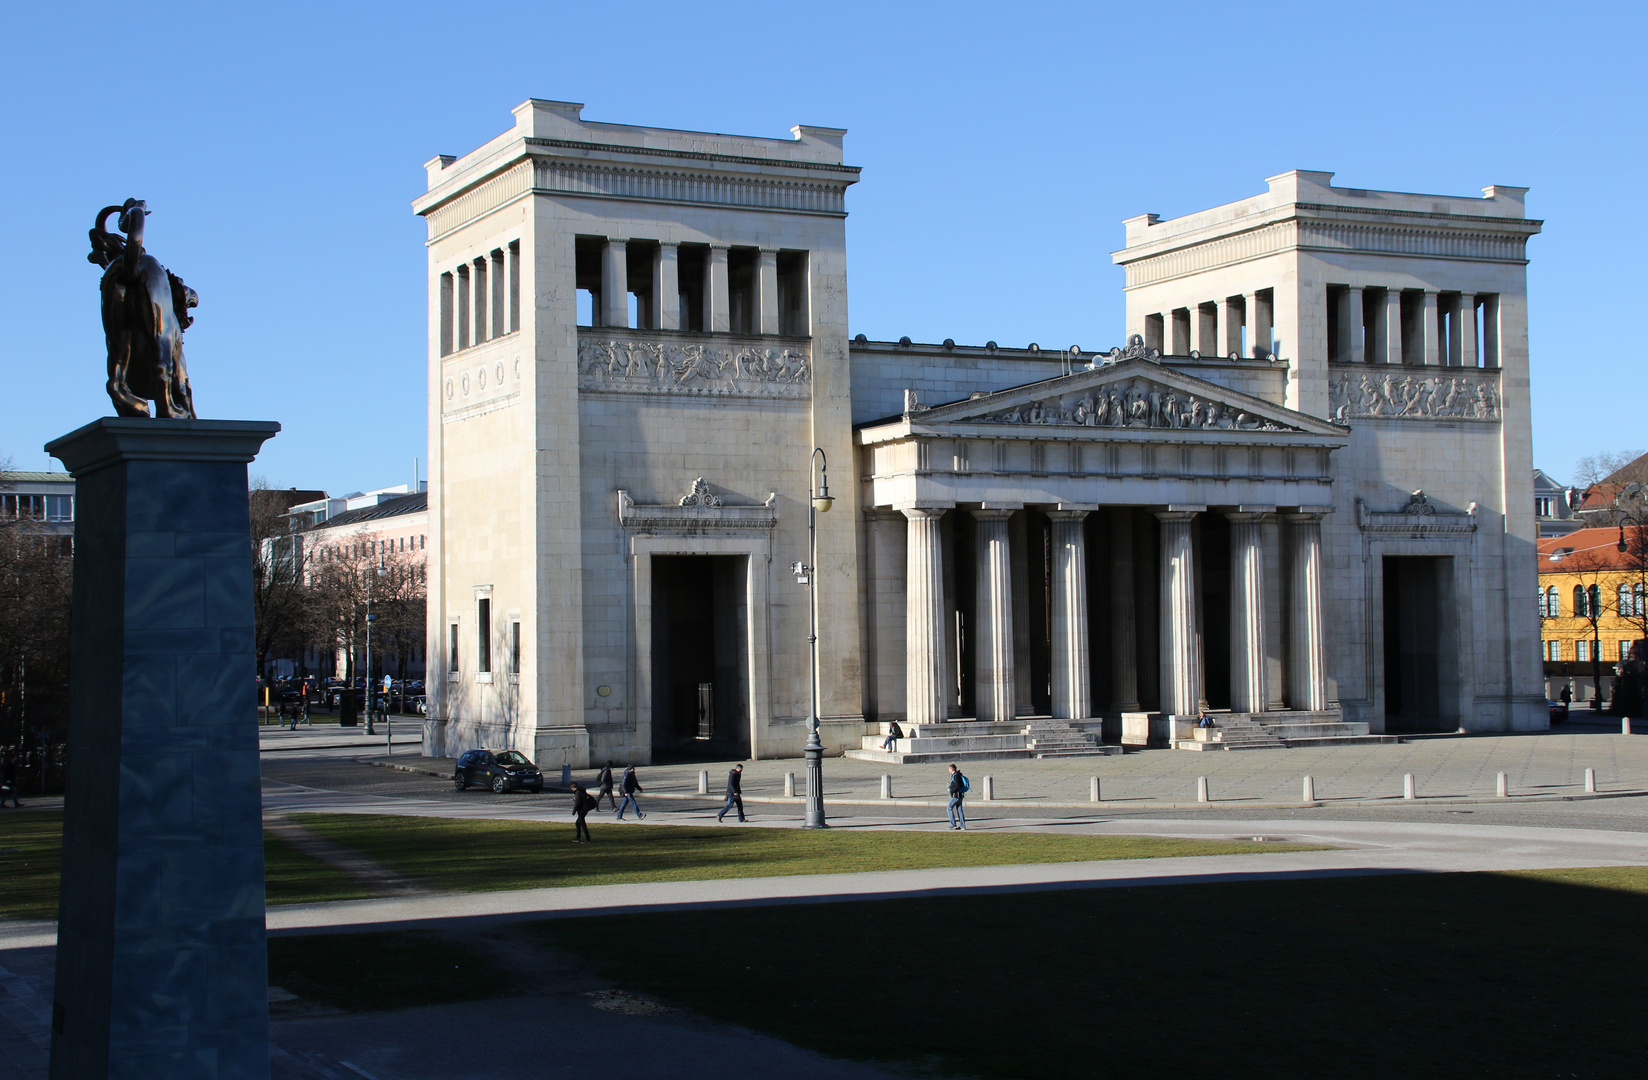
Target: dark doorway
column 1421, row 668
column 700, row 661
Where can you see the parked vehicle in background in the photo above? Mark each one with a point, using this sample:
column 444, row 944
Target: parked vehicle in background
column 1559, row 711
column 501, row 770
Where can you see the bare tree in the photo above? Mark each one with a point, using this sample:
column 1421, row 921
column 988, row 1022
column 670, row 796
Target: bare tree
column 1602, row 465
column 36, row 576
column 361, row 574
column 278, row 577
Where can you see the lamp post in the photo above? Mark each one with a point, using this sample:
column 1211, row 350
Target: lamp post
column 369, row 619
column 807, row 574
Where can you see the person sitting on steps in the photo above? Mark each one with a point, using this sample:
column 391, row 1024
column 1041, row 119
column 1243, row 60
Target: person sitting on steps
column 894, row 733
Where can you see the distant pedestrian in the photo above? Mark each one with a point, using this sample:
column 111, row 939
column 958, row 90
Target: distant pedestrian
column 894, row 733
column 735, row 794
column 603, row 786
column 630, row 787
column 8, row 783
column 582, row 803
column 958, row 791
column 1567, row 695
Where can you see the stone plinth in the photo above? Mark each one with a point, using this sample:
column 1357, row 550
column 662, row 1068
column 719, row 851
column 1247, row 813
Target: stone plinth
column 161, row 964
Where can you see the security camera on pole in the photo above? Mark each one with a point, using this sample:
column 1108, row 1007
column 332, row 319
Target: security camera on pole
column 806, row 574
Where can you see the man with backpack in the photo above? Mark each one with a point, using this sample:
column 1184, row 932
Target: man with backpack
column 958, row 791
column 735, row 793
column 630, row 787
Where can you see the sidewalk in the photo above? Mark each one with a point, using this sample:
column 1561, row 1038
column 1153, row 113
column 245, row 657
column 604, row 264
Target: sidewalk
column 408, row 733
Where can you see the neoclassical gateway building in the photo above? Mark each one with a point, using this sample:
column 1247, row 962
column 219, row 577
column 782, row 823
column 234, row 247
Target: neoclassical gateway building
column 1299, row 492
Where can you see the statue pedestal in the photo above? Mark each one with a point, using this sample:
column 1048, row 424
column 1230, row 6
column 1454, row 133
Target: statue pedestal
column 161, row 962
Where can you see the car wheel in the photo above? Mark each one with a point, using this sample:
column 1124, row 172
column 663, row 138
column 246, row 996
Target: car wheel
column 500, row 785
column 460, row 781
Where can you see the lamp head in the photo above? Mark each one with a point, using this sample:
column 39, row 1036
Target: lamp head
column 822, row 503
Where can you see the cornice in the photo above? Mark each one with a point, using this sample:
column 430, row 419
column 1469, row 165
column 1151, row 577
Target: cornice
column 692, row 155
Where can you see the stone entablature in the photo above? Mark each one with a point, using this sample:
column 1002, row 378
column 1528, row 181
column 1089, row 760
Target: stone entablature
column 697, row 511
column 1379, row 392
column 683, row 363
column 1417, row 519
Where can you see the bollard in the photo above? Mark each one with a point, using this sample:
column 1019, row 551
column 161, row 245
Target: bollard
column 389, row 734
column 566, row 775
column 1092, row 789
column 789, row 785
column 1201, row 790
column 703, row 781
column 1409, row 789
column 1308, row 794
column 1625, row 726
column 1502, row 787
column 886, row 786
column 1590, row 781
column 989, row 789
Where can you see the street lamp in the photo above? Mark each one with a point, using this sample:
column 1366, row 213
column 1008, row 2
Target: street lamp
column 369, row 619
column 807, row 574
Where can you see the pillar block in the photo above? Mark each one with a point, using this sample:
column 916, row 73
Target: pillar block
column 615, row 283
column 716, row 315
column 666, row 287
column 1248, row 690
column 1072, row 679
column 1180, row 661
column 766, row 291
column 1307, row 673
column 926, row 693
column 995, row 683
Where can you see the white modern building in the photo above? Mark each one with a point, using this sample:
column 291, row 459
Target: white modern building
column 1300, row 494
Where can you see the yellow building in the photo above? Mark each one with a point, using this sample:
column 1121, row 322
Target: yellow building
column 1592, row 611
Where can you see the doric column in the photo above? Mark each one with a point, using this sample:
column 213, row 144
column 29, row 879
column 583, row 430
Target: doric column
column 1430, row 343
column 482, row 308
column 766, row 291
column 1230, row 315
column 926, row 697
column 1124, row 637
column 1258, row 325
column 1306, row 676
column 1389, row 327
column 994, row 684
column 666, row 288
column 1467, row 330
column 615, row 283
column 1247, row 613
column 1180, row 664
column 465, row 308
column 1072, row 684
column 715, row 291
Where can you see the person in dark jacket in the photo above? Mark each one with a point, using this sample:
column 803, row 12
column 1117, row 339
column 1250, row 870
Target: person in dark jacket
column 8, row 783
column 958, row 792
column 894, row 733
column 603, row 785
column 582, row 803
column 630, row 786
column 735, row 794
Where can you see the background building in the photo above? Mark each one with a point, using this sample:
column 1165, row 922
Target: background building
column 46, row 498
column 1591, row 606
column 1554, row 506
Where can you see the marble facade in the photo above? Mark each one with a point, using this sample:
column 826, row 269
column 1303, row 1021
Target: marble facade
column 637, row 336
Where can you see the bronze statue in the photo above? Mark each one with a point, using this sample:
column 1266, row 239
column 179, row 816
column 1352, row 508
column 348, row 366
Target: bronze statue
column 145, row 311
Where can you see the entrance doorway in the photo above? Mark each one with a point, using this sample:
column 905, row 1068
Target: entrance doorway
column 700, row 658
column 1421, row 644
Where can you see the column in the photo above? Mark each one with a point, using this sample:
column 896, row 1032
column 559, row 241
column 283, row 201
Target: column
column 1230, row 314
column 1258, row 325
column 666, row 287
column 1124, row 642
column 1449, row 350
column 1179, row 660
column 716, row 320
column 1248, row 692
column 995, row 683
column 1466, row 351
column 1306, row 676
column 766, row 291
column 926, row 696
column 1390, row 328
column 500, row 294
column 1072, row 684
column 465, row 310
column 615, row 283
column 1430, row 342
column 481, row 305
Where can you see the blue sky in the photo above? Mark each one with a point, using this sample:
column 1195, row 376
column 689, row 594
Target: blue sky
column 279, row 147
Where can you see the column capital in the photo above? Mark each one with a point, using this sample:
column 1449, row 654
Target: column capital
column 1068, row 515
column 1179, row 513
column 924, row 513
column 1239, row 516
column 671, row 244
column 768, row 250
column 720, row 247
column 1308, row 513
column 992, row 513
column 617, row 241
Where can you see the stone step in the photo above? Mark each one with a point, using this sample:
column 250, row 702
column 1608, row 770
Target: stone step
column 1088, row 751
column 899, row 758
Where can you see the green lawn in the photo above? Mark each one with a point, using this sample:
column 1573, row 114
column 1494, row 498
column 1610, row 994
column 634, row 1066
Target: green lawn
column 1412, row 975
column 31, row 843
column 473, row 855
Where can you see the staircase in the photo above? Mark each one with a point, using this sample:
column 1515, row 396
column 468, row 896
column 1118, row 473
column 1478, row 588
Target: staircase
column 1235, row 732
column 1047, row 738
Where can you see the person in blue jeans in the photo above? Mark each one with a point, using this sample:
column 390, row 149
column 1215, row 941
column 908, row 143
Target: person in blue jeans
column 958, row 792
column 735, row 794
column 629, row 786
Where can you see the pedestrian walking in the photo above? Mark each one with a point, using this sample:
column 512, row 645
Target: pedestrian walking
column 631, row 787
column 603, row 786
column 958, row 791
column 894, row 733
column 1567, row 695
column 8, row 783
column 735, row 794
column 582, row 804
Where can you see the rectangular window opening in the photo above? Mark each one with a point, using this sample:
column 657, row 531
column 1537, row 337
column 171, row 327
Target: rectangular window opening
column 587, row 255
column 515, row 647
column 446, row 314
column 483, row 635
column 452, row 647
column 793, row 317
column 514, row 284
column 499, row 296
column 690, row 267
column 741, row 286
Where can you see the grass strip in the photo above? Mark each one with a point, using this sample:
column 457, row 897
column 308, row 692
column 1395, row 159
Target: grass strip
column 478, row 855
column 393, row 970
column 1403, row 975
column 31, row 846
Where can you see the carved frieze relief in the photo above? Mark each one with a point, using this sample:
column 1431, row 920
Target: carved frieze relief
column 638, row 365
column 1137, row 403
column 1405, row 394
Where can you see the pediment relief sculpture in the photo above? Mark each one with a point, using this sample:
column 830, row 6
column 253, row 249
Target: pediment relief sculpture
column 1135, row 403
column 643, row 366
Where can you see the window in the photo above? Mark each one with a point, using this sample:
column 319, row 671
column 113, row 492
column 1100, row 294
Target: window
column 1622, row 598
column 60, row 507
column 483, row 635
column 1542, row 506
column 1549, row 606
column 515, row 647
column 1582, row 650
column 1593, row 601
column 1553, row 650
column 452, row 648
column 1624, row 651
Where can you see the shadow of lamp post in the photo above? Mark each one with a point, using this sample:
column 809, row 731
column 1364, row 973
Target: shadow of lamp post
column 807, row 574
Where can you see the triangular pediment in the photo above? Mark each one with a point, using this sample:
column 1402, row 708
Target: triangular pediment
column 1135, row 394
